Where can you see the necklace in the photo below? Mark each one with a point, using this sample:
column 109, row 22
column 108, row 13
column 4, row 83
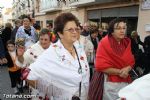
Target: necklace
column 71, row 51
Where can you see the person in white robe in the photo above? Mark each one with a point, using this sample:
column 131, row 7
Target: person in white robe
column 32, row 53
column 63, row 66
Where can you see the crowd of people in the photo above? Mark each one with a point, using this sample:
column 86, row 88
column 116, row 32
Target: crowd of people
column 67, row 61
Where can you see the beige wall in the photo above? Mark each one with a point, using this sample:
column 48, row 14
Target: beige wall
column 143, row 19
column 41, row 18
column 48, row 16
column 80, row 14
column 51, row 16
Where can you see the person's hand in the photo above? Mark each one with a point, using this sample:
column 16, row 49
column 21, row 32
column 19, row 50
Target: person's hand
column 124, row 72
column 20, row 50
column 127, row 69
column 4, row 60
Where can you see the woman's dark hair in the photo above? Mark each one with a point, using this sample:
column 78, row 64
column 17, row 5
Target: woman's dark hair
column 10, row 42
column 8, row 25
column 50, row 24
column 37, row 26
column 45, row 31
column 113, row 22
column 61, row 21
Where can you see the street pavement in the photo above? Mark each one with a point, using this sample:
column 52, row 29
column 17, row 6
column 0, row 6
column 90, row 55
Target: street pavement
column 5, row 86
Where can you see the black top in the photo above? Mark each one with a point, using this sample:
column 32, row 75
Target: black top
column 147, row 45
column 135, row 44
column 9, row 60
column 2, row 52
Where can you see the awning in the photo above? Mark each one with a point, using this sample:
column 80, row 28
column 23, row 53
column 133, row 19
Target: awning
column 131, row 11
column 94, row 14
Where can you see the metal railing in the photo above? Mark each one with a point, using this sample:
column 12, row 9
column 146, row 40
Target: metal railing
column 50, row 5
column 80, row 2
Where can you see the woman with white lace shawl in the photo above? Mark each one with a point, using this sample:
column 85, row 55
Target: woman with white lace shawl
column 32, row 53
column 63, row 68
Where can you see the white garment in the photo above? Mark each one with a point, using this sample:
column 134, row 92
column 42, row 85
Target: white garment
column 87, row 44
column 111, row 89
column 58, row 70
column 137, row 90
column 88, row 47
column 31, row 54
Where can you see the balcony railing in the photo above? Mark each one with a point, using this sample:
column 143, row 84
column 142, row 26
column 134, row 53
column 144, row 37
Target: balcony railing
column 50, row 5
column 80, row 2
column 91, row 2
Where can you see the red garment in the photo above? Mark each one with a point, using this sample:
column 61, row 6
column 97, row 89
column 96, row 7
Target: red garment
column 118, row 48
column 106, row 57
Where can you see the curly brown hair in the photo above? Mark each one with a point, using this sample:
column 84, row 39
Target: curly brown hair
column 61, row 21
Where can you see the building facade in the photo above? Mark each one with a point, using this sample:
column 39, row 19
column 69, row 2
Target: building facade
column 97, row 11
column 144, row 19
column 103, row 11
column 47, row 10
column 22, row 7
column 100, row 12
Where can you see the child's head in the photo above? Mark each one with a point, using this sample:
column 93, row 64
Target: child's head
column 10, row 45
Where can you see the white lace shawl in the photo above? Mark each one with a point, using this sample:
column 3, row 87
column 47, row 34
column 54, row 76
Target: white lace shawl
column 57, row 70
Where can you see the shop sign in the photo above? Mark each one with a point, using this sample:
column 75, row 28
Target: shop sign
column 147, row 27
column 145, row 4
